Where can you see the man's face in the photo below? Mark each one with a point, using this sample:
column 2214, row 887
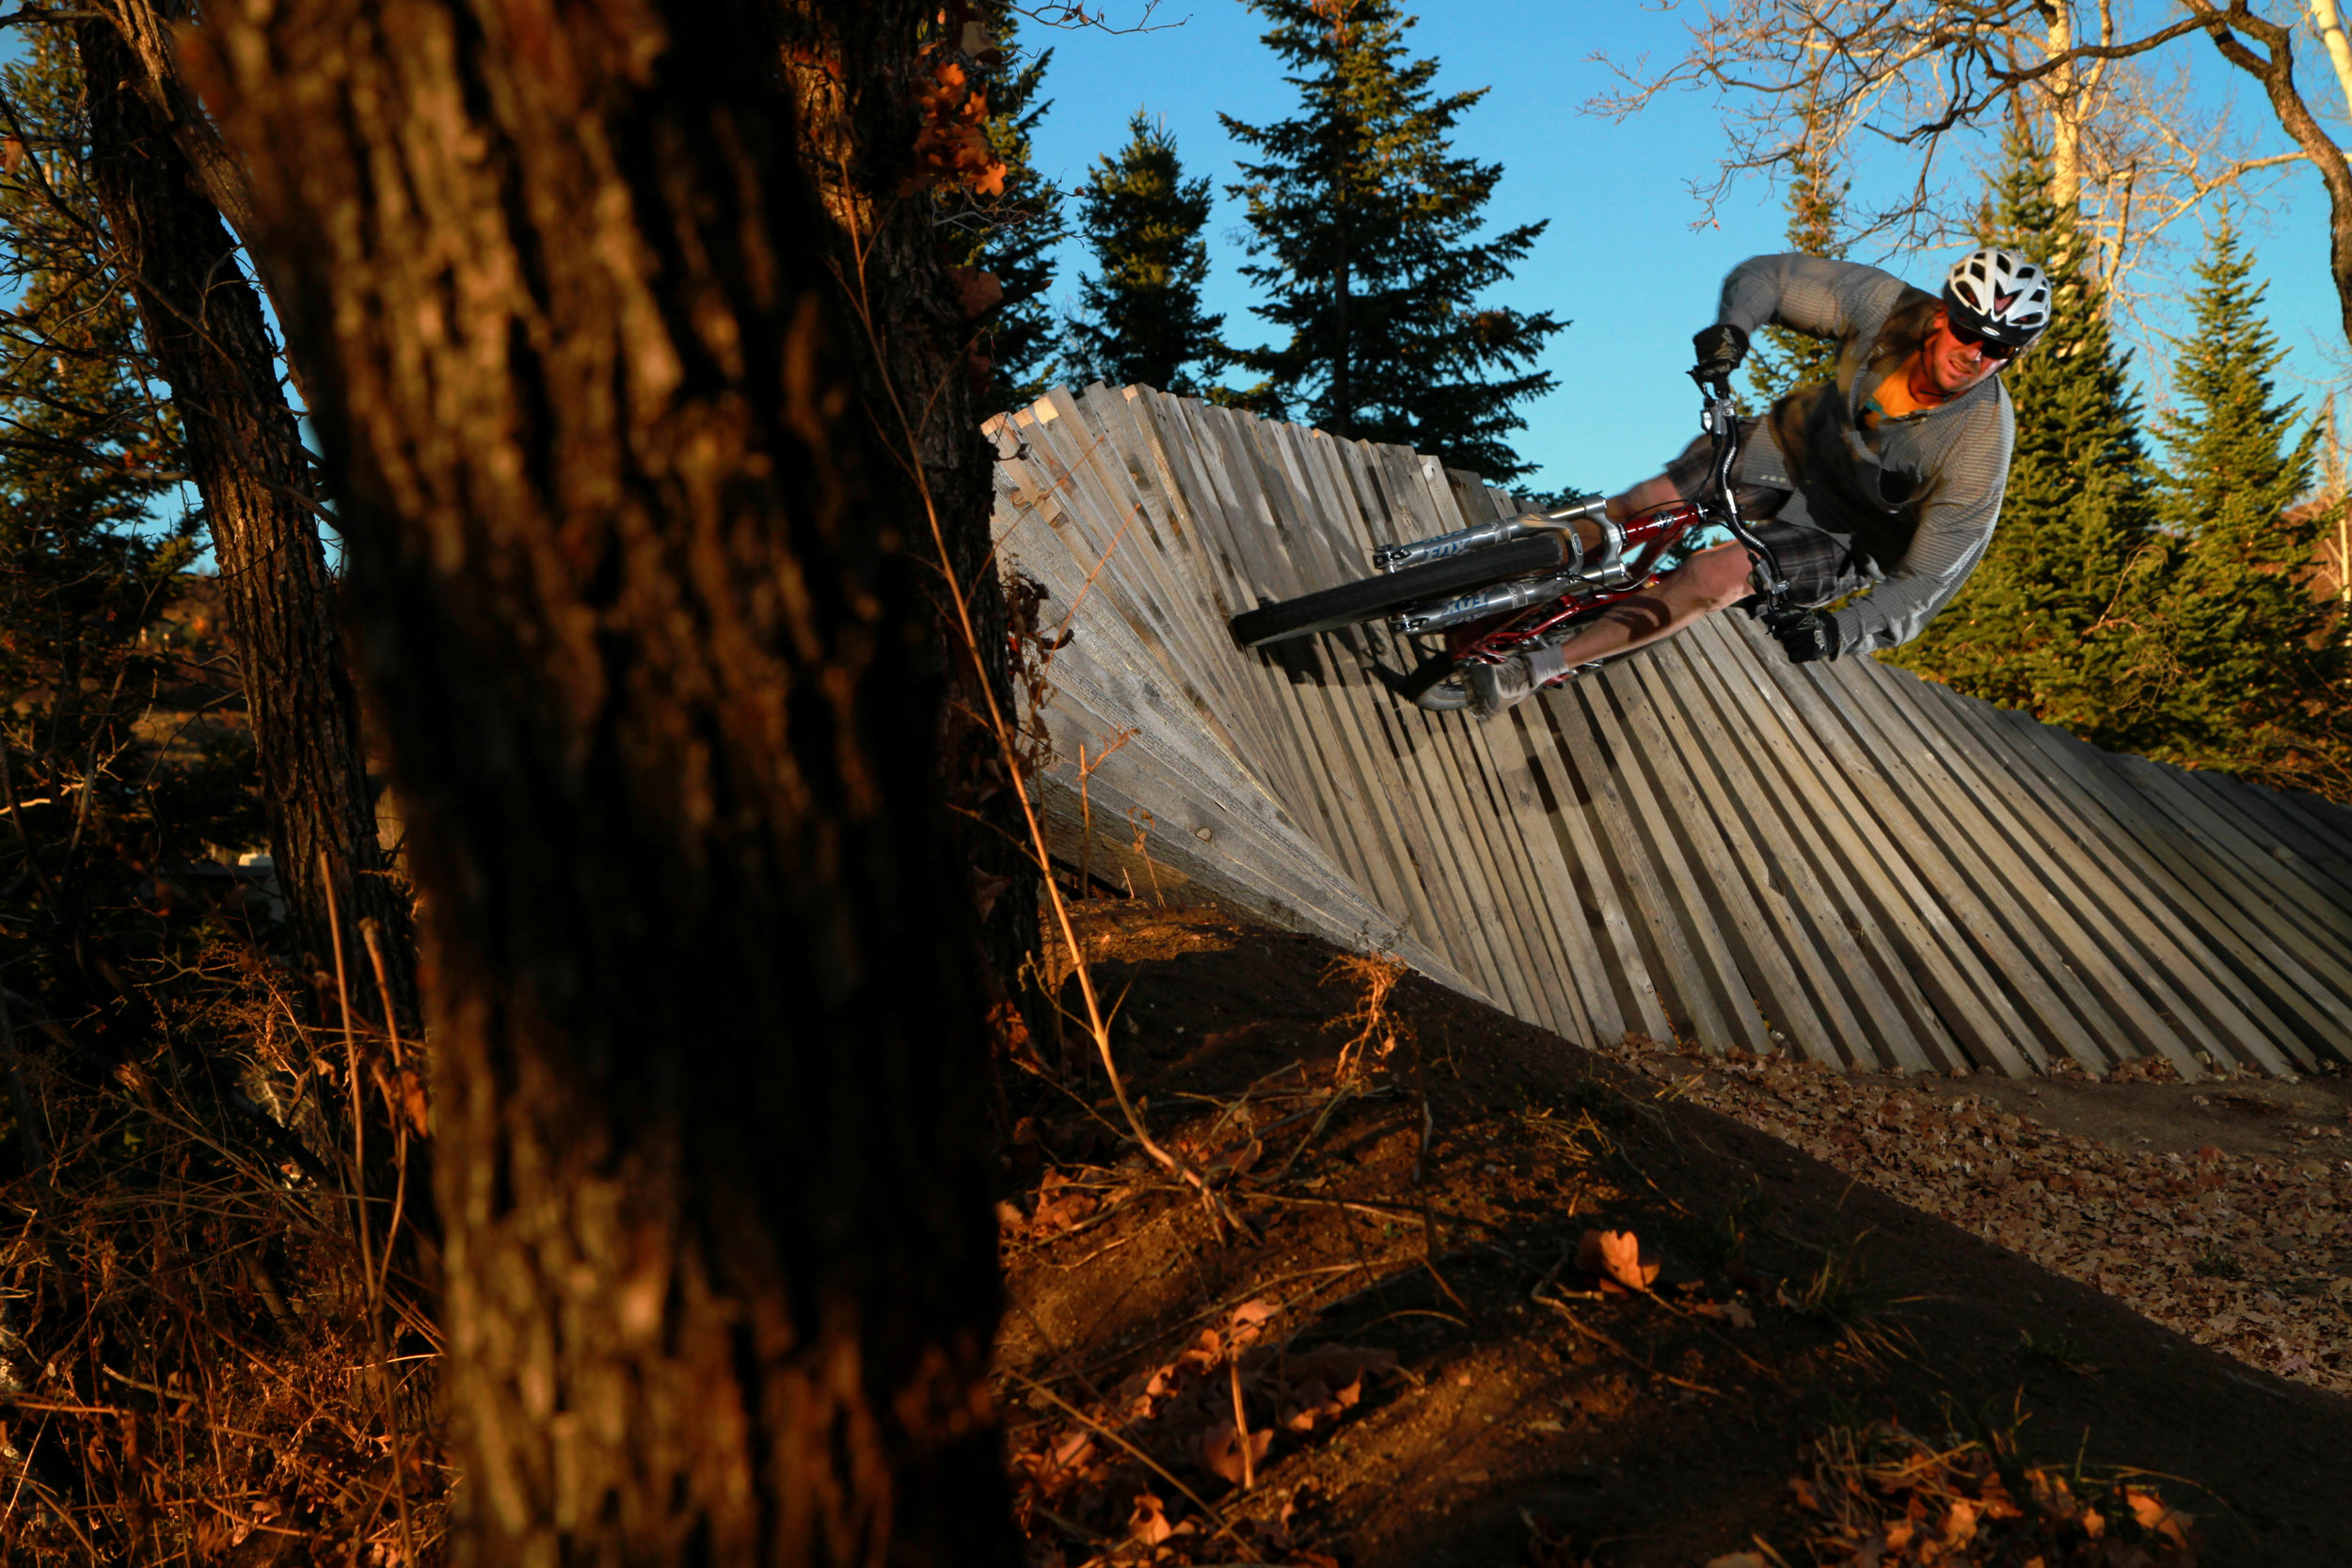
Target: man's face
column 1951, row 365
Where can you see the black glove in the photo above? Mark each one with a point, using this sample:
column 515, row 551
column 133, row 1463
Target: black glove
column 1721, row 348
column 1807, row 634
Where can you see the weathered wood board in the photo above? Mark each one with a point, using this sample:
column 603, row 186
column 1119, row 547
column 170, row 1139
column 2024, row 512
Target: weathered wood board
column 1701, row 840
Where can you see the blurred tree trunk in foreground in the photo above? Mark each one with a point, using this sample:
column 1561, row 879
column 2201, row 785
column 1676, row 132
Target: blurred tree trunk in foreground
column 635, row 587
column 203, row 326
column 881, row 91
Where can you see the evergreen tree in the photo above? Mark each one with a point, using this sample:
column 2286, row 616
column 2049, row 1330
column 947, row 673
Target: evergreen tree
column 2049, row 621
column 1782, row 360
column 2245, row 663
column 94, row 552
column 1365, row 222
column 1140, row 321
column 1011, row 233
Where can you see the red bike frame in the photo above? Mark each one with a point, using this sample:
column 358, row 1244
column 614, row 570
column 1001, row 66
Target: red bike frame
column 1652, row 533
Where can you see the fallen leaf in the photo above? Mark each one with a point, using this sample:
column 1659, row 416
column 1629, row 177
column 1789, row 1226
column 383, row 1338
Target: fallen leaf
column 2154, row 1513
column 1221, row 1455
column 1615, row 1255
column 1738, row 1559
column 1248, row 1315
column 1150, row 1520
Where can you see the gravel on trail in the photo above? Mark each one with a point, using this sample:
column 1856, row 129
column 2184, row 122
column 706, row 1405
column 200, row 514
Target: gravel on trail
column 2250, row 1256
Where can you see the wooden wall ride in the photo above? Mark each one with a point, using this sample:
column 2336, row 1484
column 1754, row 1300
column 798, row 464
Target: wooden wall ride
column 1699, row 841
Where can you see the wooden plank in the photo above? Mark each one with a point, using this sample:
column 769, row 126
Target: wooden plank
column 2204, row 911
column 1327, row 699
column 2014, row 885
column 2033, row 887
column 1568, row 920
column 1110, row 532
column 1199, row 643
column 2323, row 923
column 1502, row 860
column 2251, row 880
column 1224, row 512
column 2141, row 950
column 1762, row 973
column 1780, row 794
column 2288, row 838
column 1433, row 803
column 1721, row 790
column 1420, row 802
column 1633, row 992
column 1400, row 813
column 1228, row 576
column 1967, row 1000
column 1488, row 856
column 1651, row 866
column 2324, row 821
column 1954, row 866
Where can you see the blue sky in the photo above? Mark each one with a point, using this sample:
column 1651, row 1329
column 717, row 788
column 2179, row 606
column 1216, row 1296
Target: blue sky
column 1621, row 258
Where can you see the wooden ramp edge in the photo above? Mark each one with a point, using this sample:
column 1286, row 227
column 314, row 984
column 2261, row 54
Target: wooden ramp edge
column 1698, row 841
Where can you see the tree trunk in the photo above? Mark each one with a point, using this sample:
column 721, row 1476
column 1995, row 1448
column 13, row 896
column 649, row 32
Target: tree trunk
column 851, row 71
column 640, row 603
column 146, row 27
column 203, row 326
column 2274, row 68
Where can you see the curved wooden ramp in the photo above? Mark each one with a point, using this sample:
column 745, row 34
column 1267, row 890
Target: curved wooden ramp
column 1699, row 841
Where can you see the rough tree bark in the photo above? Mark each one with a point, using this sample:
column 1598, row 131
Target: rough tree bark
column 203, row 326
column 146, row 27
column 659, row 677
column 852, row 71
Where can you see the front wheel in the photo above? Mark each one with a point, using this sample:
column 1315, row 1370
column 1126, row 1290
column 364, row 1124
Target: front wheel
column 1354, row 603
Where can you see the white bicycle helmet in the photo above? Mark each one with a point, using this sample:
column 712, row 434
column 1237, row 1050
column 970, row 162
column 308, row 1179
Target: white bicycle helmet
column 1998, row 294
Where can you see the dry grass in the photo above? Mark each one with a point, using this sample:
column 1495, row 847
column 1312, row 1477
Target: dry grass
column 1881, row 1497
column 205, row 1358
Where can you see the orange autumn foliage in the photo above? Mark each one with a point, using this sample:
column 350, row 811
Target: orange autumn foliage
column 951, row 150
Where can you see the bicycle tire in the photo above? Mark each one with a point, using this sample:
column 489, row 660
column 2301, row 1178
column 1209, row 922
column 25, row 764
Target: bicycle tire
column 1353, row 603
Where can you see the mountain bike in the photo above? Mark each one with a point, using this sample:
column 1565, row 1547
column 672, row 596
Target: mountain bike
column 1481, row 595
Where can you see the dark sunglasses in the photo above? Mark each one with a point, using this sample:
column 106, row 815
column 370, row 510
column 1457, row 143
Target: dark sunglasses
column 1999, row 353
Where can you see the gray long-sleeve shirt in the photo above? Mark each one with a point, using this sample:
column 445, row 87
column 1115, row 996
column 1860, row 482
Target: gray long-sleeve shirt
column 1920, row 495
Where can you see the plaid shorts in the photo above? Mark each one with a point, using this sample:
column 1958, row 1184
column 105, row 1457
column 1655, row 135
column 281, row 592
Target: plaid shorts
column 1819, row 567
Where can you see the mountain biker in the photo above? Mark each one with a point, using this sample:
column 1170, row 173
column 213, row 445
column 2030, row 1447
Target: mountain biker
column 1887, row 479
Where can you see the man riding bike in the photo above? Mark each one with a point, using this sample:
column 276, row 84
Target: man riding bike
column 1887, row 479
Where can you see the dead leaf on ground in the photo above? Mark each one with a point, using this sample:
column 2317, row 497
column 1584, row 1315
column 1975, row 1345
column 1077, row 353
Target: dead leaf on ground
column 1220, row 1453
column 1150, row 1520
column 1616, row 1255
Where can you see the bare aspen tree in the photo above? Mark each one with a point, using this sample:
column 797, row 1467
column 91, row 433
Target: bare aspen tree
column 633, row 566
column 2132, row 154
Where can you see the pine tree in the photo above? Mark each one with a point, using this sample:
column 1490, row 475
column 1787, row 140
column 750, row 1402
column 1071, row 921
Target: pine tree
column 2246, row 662
column 1782, row 360
column 1141, row 321
column 95, row 544
column 2048, row 621
column 1366, row 224
column 1011, row 234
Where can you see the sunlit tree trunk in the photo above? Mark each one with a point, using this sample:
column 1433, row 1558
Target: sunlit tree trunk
column 639, row 597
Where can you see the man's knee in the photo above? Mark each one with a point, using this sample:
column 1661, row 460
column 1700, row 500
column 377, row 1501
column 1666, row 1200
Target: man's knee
column 1715, row 579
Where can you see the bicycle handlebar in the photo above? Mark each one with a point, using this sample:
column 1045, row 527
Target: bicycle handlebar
column 1718, row 414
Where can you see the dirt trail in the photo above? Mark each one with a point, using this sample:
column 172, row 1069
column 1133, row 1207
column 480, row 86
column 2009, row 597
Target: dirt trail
column 1427, row 1376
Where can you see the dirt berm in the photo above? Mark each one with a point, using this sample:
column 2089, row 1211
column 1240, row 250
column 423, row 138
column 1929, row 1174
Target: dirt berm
column 1408, row 1281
